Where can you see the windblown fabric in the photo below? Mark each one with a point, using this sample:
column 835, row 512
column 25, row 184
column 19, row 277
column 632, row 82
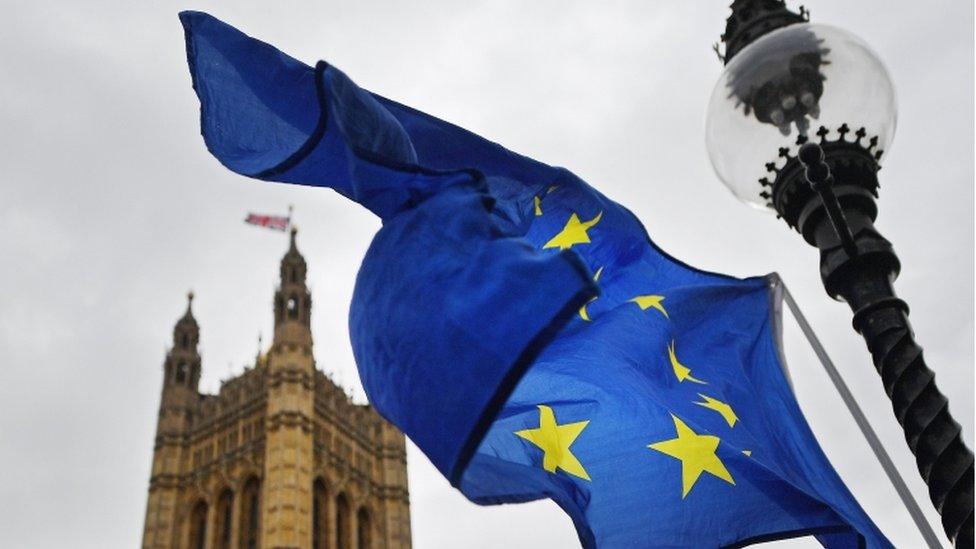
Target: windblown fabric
column 274, row 222
column 524, row 331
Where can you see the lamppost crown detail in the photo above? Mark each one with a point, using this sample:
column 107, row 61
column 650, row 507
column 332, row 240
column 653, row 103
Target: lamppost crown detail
column 853, row 162
column 751, row 19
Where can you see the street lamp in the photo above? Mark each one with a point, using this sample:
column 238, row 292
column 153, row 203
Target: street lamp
column 797, row 125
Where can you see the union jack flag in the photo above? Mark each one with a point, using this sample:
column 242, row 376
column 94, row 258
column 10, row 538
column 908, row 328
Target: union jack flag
column 276, row 222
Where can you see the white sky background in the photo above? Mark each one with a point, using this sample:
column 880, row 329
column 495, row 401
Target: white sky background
column 111, row 208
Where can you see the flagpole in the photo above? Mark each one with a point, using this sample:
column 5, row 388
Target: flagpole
column 862, row 422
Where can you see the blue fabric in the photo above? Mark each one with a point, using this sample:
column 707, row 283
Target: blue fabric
column 524, row 331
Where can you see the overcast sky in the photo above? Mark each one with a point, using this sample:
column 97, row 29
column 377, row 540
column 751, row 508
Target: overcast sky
column 111, row 209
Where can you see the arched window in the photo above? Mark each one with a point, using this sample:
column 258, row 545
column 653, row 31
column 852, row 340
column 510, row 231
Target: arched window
column 222, row 530
column 364, row 528
column 198, row 525
column 343, row 528
column 320, row 515
column 182, row 372
column 292, row 308
column 250, row 514
column 185, row 341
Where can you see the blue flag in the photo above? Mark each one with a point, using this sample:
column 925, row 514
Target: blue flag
column 524, row 331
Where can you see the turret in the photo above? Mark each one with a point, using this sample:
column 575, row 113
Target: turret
column 293, row 302
column 181, row 377
column 287, row 496
column 182, row 365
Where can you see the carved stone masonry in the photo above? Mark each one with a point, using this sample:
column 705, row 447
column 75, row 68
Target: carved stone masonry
column 280, row 457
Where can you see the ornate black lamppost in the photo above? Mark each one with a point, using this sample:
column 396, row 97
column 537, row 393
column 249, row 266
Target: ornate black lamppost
column 798, row 124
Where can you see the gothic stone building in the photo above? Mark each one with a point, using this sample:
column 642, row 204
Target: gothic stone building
column 280, row 457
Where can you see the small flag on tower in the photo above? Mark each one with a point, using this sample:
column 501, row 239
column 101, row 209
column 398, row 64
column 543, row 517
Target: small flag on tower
column 276, row 222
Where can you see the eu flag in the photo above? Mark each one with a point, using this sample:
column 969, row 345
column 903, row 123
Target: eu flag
column 524, row 331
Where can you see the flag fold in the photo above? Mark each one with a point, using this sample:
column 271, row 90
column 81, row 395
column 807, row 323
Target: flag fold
column 523, row 330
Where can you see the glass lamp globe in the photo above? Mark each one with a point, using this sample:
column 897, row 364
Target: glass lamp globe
column 802, row 82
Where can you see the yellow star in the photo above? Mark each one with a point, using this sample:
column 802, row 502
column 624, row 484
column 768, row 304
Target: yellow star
column 538, row 205
column 681, row 371
column 696, row 454
column 555, row 440
column 582, row 312
column 573, row 233
column 720, row 407
column 747, row 453
column 645, row 302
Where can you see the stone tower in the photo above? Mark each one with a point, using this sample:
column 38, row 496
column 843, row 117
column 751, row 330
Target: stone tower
column 280, row 457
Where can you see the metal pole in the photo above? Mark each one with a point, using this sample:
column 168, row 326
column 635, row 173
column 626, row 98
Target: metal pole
column 864, row 278
column 862, row 423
